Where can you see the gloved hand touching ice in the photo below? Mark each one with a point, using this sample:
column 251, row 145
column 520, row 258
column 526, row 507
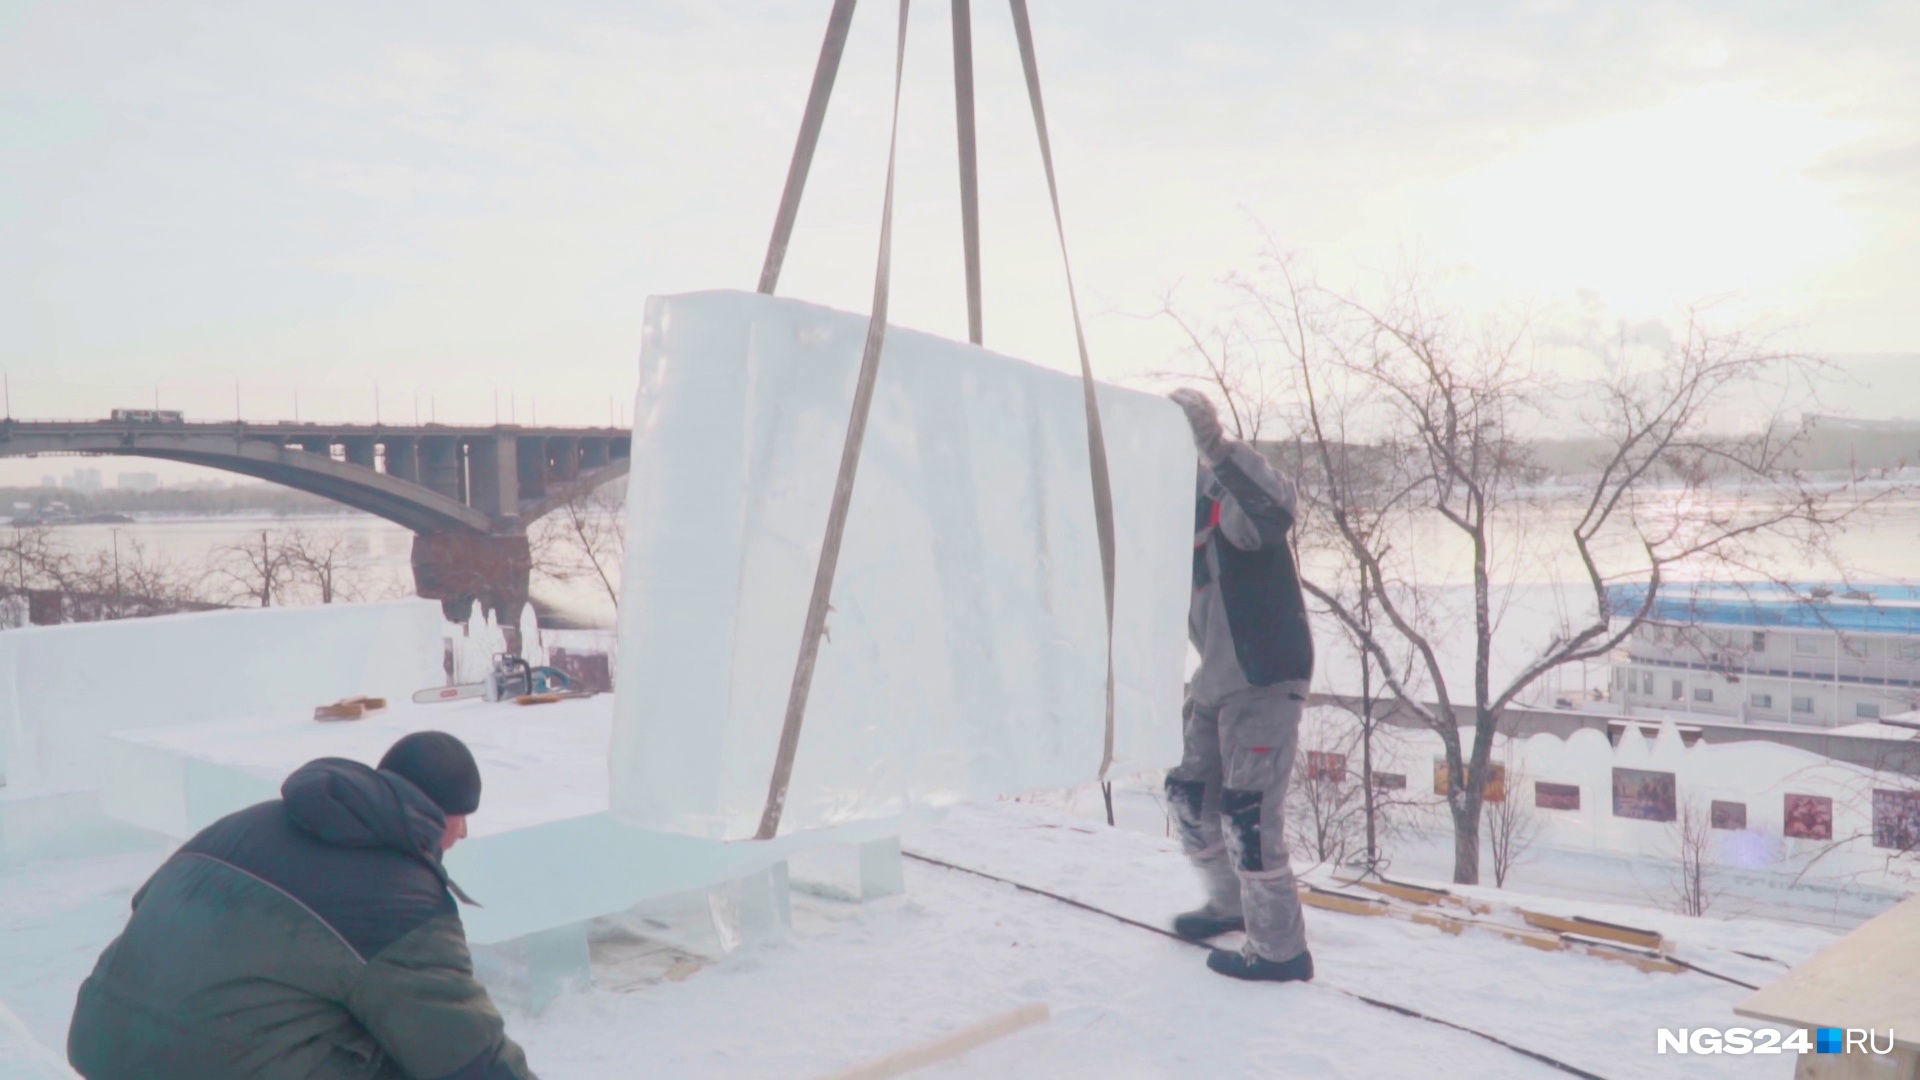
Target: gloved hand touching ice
column 1205, row 421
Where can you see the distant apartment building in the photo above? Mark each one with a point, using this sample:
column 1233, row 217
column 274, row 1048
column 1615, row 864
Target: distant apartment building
column 87, row 480
column 139, row 481
column 1759, row 654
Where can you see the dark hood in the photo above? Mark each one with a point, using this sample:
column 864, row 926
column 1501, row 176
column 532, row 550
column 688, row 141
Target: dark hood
column 347, row 804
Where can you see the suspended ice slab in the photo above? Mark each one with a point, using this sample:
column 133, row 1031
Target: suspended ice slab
column 967, row 650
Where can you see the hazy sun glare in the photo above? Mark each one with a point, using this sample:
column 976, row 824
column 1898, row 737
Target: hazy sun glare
column 1710, row 193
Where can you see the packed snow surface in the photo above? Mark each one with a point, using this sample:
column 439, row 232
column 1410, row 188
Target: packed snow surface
column 967, row 647
column 860, row 982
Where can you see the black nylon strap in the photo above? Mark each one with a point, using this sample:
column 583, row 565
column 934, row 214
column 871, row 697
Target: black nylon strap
column 843, row 484
column 969, row 162
column 810, row 123
column 1096, row 439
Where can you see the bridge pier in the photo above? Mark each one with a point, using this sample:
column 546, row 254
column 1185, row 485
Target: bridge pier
column 460, row 570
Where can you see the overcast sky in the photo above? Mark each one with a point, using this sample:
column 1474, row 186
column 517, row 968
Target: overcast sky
column 448, row 201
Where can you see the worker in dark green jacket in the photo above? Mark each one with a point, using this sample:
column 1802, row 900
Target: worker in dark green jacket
column 311, row 937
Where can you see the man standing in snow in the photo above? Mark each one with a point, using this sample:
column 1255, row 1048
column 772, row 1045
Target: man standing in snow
column 309, row 937
column 1243, row 707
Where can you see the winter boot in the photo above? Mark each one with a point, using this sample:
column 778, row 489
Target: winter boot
column 1248, row 964
column 1203, row 924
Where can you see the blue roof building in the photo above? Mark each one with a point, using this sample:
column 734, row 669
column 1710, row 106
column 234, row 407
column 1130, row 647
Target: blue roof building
column 1820, row 655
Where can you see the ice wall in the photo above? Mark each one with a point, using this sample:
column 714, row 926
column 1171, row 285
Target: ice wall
column 967, row 650
column 62, row 687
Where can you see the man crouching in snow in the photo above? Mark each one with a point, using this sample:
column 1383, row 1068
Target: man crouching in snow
column 310, row 937
column 1243, row 707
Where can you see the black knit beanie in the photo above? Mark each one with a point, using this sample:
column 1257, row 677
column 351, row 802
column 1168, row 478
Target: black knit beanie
column 440, row 766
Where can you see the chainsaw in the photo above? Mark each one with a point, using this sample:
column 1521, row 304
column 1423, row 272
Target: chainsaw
column 511, row 678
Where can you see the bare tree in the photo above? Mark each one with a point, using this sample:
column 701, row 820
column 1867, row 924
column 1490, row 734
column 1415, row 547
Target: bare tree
column 584, row 539
column 257, row 570
column 1326, row 815
column 125, row 581
column 332, row 563
column 31, row 558
column 1511, row 824
column 1692, row 832
column 1410, row 417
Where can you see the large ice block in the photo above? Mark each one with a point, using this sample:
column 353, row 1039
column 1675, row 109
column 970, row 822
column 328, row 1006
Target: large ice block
column 542, row 851
column 966, row 655
column 63, row 687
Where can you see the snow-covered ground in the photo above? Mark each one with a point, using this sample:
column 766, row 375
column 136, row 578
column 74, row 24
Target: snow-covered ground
column 856, row 982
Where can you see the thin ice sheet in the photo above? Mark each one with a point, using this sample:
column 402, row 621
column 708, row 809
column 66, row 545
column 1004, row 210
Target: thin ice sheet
column 966, row 655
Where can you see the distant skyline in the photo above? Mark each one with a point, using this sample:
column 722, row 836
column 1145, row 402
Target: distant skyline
column 443, row 203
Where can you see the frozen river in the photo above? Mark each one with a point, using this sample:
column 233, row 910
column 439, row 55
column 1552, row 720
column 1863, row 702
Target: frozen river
column 1881, row 548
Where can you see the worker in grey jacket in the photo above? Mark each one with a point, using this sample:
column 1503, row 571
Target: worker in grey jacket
column 1243, row 706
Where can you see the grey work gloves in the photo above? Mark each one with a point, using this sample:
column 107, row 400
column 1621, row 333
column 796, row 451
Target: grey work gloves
column 1207, row 435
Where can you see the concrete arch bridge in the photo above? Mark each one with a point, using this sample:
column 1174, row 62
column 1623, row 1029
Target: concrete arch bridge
column 467, row 493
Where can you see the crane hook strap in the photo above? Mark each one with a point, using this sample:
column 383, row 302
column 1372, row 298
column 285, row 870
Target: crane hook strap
column 843, row 483
column 1096, row 438
column 810, row 124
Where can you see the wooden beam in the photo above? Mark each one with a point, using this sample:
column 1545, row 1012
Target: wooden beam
column 1625, row 935
column 949, row 1046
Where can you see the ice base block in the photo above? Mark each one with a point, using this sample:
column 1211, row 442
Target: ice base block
column 542, row 852
column 966, row 648
column 63, row 688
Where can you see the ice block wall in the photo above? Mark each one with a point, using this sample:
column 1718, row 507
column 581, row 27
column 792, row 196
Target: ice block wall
column 61, row 687
column 966, row 655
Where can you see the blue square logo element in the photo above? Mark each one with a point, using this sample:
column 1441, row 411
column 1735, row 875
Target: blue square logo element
column 1830, row 1041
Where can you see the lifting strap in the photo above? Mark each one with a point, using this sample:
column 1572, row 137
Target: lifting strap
column 815, row 116
column 849, row 453
column 1096, row 438
column 820, row 601
column 969, row 160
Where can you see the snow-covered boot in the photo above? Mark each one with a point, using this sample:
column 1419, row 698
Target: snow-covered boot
column 1206, row 923
column 1248, row 964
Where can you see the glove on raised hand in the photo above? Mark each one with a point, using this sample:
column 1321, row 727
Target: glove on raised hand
column 1207, row 434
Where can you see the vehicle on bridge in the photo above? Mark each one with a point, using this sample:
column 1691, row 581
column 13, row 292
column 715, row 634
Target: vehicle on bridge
column 147, row 416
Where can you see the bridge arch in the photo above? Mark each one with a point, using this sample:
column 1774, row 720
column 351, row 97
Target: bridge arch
column 467, row 493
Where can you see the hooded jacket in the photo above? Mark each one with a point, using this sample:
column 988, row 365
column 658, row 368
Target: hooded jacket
column 1248, row 619
column 309, row 937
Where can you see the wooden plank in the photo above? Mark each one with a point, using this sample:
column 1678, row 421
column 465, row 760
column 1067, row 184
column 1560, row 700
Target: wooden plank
column 1352, row 905
column 1625, row 935
column 1644, row 959
column 1478, row 907
column 1864, row 980
column 1439, row 921
column 1531, row 938
column 1412, row 894
column 948, row 1047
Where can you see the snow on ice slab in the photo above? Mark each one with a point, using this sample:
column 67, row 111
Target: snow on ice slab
column 62, row 687
column 541, row 852
column 967, row 651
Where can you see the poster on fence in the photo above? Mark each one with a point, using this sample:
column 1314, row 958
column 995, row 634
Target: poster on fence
column 1896, row 819
column 1643, row 795
column 1495, row 791
column 1556, row 796
column 1809, row 817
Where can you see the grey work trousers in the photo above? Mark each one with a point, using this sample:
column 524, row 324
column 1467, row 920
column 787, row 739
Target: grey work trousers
column 1228, row 797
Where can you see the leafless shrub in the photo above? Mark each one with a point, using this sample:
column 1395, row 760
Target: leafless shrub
column 1692, row 833
column 1511, row 824
column 584, row 539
